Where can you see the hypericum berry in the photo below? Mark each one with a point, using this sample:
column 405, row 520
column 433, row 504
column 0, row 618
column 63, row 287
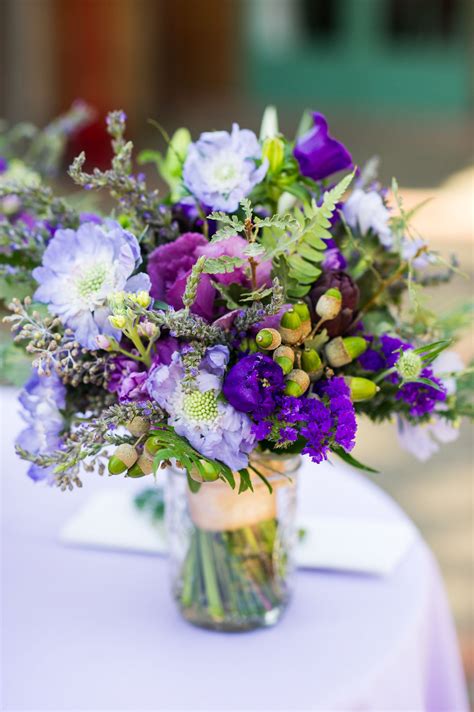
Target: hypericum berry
column 311, row 363
column 361, row 389
column 297, row 382
column 123, row 458
column 290, row 327
column 138, row 426
column 329, row 304
column 339, row 352
column 268, row 339
column 409, row 365
column 284, row 356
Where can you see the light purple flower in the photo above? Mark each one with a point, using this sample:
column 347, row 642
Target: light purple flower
column 424, row 440
column 221, row 168
column 80, row 269
column 212, row 426
column 42, row 399
column 366, row 211
column 319, row 154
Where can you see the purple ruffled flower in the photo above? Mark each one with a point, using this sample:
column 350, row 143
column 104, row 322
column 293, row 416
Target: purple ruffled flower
column 42, row 399
column 221, row 168
column 318, row 154
column 170, row 265
column 254, row 384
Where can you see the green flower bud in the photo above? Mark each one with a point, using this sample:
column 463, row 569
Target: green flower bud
column 268, row 339
column 361, row 389
column 249, row 345
column 124, row 457
column 297, row 382
column 290, row 327
column 409, row 365
column 329, row 304
column 274, row 150
column 118, row 321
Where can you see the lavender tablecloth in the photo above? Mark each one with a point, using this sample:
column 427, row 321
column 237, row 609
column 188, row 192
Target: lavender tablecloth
column 90, row 630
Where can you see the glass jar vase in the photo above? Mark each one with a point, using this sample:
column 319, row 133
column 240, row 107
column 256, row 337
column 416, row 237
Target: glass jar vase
column 231, row 554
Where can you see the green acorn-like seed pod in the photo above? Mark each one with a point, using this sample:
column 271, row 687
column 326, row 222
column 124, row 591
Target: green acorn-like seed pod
column 124, row 457
column 142, row 467
column 361, row 389
column 284, row 356
column 311, row 363
column 302, row 309
column 249, row 345
column 210, row 472
column 355, row 346
column 340, row 352
column 138, row 426
column 329, row 304
column 152, row 445
column 268, row 339
column 297, row 382
column 290, row 327
column 285, row 364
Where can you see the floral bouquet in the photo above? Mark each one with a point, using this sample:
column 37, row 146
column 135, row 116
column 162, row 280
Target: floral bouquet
column 249, row 316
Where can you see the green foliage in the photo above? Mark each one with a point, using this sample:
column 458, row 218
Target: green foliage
column 302, row 244
column 351, row 460
column 169, row 165
column 15, row 366
column 220, row 265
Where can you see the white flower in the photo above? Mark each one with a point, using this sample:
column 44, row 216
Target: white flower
column 366, row 211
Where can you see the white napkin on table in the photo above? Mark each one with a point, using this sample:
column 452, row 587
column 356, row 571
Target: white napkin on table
column 110, row 520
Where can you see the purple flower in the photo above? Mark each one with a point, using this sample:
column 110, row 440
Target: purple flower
column 422, row 398
column 371, row 360
column 221, row 168
column 81, row 269
column 423, row 440
column 318, row 154
column 3, row 164
column 42, row 399
column 170, row 265
column 212, row 426
column 342, row 411
column 333, row 257
column 254, row 385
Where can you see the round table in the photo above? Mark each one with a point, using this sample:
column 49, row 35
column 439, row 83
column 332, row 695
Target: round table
column 94, row 630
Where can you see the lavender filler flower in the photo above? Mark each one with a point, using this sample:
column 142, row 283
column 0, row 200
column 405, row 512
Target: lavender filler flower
column 221, row 168
column 42, row 398
column 81, row 269
column 211, row 425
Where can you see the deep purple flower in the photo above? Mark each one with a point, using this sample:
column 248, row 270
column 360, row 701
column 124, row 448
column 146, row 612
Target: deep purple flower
column 422, row 398
column 342, row 411
column 333, row 257
column 318, row 154
column 371, row 360
column 3, row 164
column 254, row 384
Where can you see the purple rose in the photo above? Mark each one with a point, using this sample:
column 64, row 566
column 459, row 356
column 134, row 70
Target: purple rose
column 318, row 154
column 254, row 384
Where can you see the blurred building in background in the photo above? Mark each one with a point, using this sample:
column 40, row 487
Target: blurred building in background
column 394, row 78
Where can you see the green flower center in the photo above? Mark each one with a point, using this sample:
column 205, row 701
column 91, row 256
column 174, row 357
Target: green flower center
column 201, row 406
column 409, row 365
column 93, row 280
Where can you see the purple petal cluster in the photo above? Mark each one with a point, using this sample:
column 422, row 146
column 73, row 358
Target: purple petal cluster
column 342, row 411
column 254, row 385
column 422, row 398
column 42, row 399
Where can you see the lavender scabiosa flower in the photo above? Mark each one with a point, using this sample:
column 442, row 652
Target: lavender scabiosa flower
column 212, row 426
column 254, row 385
column 80, row 269
column 319, row 154
column 221, row 168
column 42, row 399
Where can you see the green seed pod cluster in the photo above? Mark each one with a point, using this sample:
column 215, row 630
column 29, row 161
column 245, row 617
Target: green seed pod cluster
column 268, row 339
column 302, row 309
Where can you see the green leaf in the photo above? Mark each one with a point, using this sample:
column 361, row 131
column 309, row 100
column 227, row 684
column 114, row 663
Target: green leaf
column 427, row 382
column 351, row 460
column 220, row 265
column 245, row 481
column 262, row 477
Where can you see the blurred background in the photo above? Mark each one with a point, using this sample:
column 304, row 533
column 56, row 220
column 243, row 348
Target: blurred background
column 394, row 78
